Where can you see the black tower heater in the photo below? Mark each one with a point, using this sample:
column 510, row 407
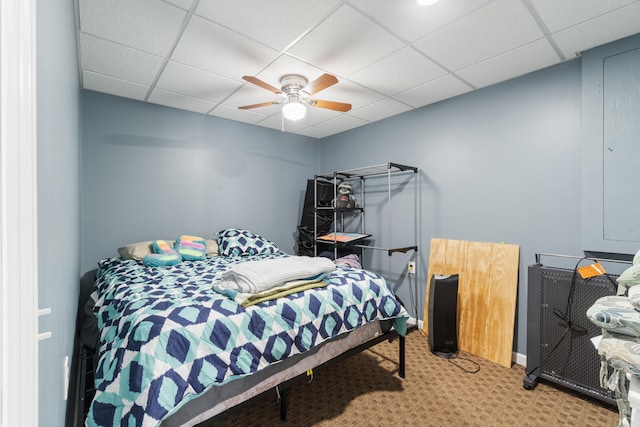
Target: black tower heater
column 443, row 317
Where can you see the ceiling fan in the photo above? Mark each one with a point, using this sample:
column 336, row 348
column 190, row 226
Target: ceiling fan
column 296, row 94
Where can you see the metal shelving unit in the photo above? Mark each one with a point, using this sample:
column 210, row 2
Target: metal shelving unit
column 359, row 178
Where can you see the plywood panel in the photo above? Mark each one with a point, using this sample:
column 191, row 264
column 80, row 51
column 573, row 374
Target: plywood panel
column 472, row 296
column 486, row 294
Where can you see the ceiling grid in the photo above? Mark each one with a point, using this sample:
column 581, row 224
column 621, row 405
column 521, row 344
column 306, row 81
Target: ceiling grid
column 389, row 56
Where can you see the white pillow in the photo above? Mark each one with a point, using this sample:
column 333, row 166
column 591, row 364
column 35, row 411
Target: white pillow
column 631, row 276
column 212, row 248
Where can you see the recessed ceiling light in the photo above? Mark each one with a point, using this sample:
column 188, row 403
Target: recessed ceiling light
column 426, row 2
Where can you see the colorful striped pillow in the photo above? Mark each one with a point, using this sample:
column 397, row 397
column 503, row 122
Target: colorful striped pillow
column 191, row 248
column 164, row 255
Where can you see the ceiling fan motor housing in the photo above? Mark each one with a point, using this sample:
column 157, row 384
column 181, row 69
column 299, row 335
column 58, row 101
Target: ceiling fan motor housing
column 292, row 85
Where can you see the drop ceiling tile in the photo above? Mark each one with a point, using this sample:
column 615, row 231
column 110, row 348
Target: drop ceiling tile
column 313, row 116
column 559, row 15
column 351, row 93
column 232, row 113
column 314, row 132
column 612, row 26
column 182, row 102
column 218, row 50
column 409, row 20
column 110, row 85
column 289, row 125
column 149, row 25
column 342, row 123
column 183, row 4
column 276, row 23
column 398, row 72
column 437, row 90
column 111, row 59
column 345, row 42
column 380, row 110
column 286, row 64
column 317, row 115
column 273, row 122
column 526, row 59
column 249, row 95
column 181, row 79
column 480, row 35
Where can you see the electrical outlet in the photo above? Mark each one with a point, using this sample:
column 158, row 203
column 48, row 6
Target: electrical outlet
column 411, row 267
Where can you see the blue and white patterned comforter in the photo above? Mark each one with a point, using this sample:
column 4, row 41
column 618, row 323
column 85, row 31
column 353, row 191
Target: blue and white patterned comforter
column 167, row 337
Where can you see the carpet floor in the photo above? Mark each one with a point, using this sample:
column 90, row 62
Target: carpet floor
column 365, row 390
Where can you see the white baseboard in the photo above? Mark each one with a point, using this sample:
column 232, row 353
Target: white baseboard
column 413, row 322
column 517, row 358
column 520, row 359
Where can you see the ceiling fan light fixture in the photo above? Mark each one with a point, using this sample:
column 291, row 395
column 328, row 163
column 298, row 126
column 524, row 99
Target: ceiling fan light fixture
column 296, row 93
column 294, row 110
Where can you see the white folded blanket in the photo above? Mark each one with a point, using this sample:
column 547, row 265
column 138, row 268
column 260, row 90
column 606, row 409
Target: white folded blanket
column 258, row 276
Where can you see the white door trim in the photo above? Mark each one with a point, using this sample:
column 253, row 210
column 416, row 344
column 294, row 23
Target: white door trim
column 18, row 215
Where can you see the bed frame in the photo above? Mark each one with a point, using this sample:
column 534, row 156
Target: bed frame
column 391, row 335
column 84, row 361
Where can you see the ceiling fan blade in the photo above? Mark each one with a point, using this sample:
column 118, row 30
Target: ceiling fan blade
column 321, row 83
column 256, row 81
column 262, row 104
column 330, row 105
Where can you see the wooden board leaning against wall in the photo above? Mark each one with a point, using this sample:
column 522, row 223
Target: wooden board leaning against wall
column 487, row 290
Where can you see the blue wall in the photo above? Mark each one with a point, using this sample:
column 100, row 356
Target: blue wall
column 153, row 172
column 58, row 170
column 501, row 164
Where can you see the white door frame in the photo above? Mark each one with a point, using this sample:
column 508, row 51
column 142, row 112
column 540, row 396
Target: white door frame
column 18, row 215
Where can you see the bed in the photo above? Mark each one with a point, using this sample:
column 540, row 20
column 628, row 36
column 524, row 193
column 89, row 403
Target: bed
column 176, row 348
